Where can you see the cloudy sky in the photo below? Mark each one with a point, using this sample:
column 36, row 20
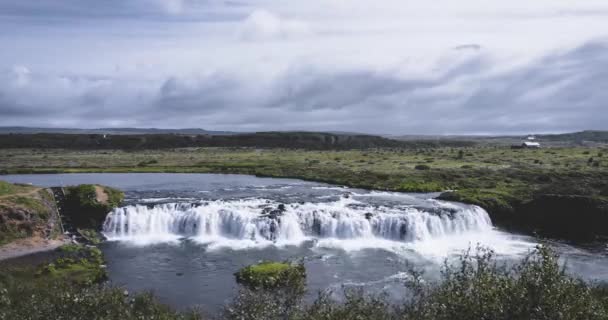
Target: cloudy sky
column 390, row 66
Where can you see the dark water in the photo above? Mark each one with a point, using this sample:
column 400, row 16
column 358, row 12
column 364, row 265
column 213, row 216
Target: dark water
column 184, row 235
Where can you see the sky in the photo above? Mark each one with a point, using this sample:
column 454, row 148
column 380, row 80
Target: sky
column 379, row 67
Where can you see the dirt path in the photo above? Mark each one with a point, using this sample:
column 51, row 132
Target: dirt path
column 102, row 196
column 27, row 246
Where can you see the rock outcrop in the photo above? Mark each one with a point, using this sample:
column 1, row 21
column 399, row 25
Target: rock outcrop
column 28, row 212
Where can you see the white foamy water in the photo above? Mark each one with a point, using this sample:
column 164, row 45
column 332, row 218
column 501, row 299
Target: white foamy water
column 345, row 223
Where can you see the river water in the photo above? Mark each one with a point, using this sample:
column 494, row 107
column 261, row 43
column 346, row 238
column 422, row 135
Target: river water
column 183, row 236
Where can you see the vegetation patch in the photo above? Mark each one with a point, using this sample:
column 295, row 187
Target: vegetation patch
column 416, row 186
column 269, row 274
column 77, row 263
column 91, row 236
column 59, row 300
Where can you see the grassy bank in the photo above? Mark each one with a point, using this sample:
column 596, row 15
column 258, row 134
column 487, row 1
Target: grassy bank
column 506, row 182
column 27, row 211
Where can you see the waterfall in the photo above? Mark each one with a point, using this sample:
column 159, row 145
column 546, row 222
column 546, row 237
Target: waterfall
column 266, row 221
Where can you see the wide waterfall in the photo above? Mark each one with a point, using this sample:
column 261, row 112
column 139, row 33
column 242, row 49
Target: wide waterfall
column 267, row 221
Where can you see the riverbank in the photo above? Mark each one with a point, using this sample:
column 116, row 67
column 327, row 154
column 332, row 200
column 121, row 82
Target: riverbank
column 556, row 192
column 24, row 247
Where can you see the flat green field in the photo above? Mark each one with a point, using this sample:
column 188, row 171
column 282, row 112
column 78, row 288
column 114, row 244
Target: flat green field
column 407, row 170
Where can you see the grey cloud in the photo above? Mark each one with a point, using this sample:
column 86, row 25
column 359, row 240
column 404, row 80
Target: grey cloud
column 560, row 92
column 84, row 10
column 200, row 95
column 471, row 46
column 310, row 89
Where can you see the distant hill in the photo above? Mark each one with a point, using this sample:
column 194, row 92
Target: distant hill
column 292, row 140
column 578, row 137
column 117, row 131
column 589, row 137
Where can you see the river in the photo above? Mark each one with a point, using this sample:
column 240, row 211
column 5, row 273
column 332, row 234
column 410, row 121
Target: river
column 183, row 236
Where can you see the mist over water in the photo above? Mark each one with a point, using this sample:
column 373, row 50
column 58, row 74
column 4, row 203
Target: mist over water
column 184, row 235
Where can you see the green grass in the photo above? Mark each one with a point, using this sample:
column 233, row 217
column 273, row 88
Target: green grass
column 30, row 203
column 77, row 263
column 7, row 189
column 269, row 268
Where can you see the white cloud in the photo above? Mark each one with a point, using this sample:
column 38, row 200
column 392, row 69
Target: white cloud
column 264, row 25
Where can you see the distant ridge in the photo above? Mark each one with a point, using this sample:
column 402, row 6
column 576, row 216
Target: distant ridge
column 289, row 140
column 582, row 138
column 579, row 137
column 115, row 131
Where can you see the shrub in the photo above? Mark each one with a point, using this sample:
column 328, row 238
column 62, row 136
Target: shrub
column 145, row 163
column 416, row 186
column 62, row 301
column 422, row 167
column 460, row 154
column 478, row 288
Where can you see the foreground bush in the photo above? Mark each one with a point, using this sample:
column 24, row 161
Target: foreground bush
column 479, row 288
column 476, row 287
column 58, row 301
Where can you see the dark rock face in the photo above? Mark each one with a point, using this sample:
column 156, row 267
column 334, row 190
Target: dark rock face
column 274, row 213
column 82, row 207
column 568, row 217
